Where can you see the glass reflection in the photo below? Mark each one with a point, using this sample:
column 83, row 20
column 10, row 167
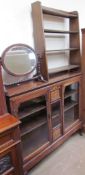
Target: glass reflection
column 20, row 60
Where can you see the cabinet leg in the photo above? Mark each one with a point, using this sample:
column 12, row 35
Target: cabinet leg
column 81, row 132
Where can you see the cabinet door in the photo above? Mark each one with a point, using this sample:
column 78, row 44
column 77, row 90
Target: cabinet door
column 34, row 113
column 56, row 119
column 71, row 104
column 56, row 112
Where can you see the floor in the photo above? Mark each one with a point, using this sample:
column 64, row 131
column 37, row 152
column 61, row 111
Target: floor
column 68, row 159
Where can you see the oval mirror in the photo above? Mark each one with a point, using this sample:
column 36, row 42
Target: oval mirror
column 19, row 60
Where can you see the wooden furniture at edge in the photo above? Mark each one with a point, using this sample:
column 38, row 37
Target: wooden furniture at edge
column 50, row 112
column 10, row 153
column 10, row 142
column 83, row 76
column 3, row 108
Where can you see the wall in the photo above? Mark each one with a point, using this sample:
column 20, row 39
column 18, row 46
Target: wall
column 16, row 20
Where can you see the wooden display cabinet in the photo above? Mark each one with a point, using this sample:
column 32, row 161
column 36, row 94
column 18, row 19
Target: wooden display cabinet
column 49, row 113
column 46, row 112
column 56, row 38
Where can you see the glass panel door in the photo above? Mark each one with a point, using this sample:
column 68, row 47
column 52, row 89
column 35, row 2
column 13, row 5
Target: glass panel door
column 71, row 104
column 34, row 126
column 56, row 118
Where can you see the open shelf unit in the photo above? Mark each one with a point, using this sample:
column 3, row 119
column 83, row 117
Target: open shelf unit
column 56, row 38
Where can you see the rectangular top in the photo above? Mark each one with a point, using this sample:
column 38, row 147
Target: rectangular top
column 7, row 122
column 12, row 91
column 61, row 13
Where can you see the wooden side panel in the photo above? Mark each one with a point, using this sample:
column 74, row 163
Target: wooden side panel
column 75, row 41
column 39, row 39
column 83, row 74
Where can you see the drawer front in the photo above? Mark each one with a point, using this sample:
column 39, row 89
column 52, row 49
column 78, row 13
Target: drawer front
column 5, row 141
column 55, row 92
column 56, row 133
column 8, row 139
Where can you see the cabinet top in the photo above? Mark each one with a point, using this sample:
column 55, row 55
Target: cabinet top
column 8, row 122
column 55, row 12
column 12, row 91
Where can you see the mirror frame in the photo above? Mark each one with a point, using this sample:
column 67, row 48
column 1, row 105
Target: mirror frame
column 16, row 45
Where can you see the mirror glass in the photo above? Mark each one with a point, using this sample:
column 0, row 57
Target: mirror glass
column 19, row 60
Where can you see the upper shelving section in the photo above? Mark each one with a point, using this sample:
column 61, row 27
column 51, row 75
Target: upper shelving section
column 60, row 13
column 56, row 38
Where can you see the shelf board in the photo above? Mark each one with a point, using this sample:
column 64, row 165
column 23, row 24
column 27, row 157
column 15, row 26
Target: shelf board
column 8, row 171
column 69, row 93
column 69, row 104
column 30, row 110
column 48, row 52
column 60, row 31
column 35, row 123
column 63, row 68
column 60, row 13
column 55, row 113
column 56, row 121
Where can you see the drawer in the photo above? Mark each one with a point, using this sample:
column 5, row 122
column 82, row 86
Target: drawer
column 8, row 139
column 5, row 141
column 56, row 133
column 55, row 92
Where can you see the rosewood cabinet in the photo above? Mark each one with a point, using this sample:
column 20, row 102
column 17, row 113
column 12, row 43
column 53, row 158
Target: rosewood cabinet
column 83, row 76
column 49, row 113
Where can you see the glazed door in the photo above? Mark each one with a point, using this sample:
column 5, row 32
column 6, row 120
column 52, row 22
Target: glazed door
column 71, row 104
column 56, row 111
column 33, row 109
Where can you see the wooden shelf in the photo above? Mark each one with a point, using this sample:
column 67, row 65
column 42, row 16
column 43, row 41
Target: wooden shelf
column 9, row 171
column 60, row 31
column 63, row 68
column 69, row 104
column 55, row 113
column 30, row 110
column 56, row 121
column 33, row 124
column 60, row 50
column 60, row 13
column 69, row 93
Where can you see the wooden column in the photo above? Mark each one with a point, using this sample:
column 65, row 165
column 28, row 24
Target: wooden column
column 2, row 96
column 83, row 75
